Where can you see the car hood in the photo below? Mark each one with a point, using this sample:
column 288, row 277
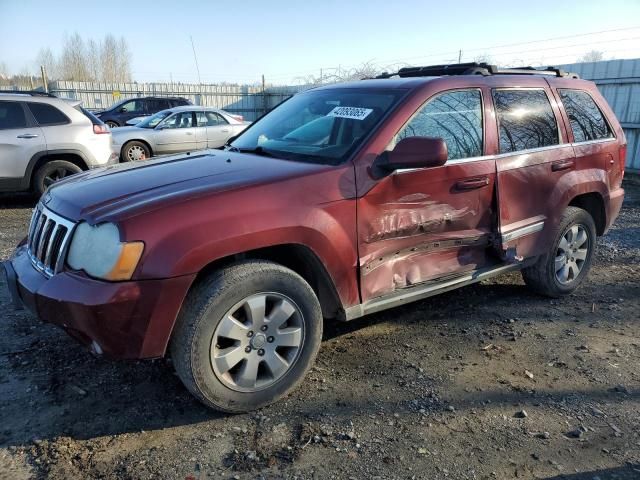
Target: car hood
column 125, row 190
column 122, row 132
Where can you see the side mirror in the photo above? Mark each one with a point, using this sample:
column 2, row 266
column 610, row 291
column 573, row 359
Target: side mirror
column 417, row 152
column 122, row 110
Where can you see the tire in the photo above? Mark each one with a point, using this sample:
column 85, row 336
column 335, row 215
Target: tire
column 111, row 124
column 561, row 270
column 51, row 172
column 199, row 347
column 134, row 151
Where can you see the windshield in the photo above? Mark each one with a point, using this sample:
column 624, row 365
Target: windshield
column 322, row 126
column 154, row 120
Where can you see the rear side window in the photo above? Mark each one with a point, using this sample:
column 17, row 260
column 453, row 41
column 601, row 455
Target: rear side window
column 95, row 120
column 12, row 116
column 179, row 102
column 156, row 104
column 525, row 120
column 47, row 115
column 587, row 121
column 456, row 117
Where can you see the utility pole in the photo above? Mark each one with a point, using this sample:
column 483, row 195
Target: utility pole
column 264, row 96
column 43, row 72
column 460, row 56
column 196, row 59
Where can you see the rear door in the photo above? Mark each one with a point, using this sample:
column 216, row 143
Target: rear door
column 533, row 157
column 20, row 140
column 178, row 133
column 218, row 130
column 427, row 224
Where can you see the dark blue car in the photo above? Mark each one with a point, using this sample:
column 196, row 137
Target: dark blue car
column 119, row 113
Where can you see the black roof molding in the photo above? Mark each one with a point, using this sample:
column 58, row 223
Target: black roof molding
column 474, row 68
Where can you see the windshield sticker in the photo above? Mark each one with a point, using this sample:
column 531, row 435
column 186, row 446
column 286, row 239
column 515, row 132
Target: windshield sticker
column 355, row 113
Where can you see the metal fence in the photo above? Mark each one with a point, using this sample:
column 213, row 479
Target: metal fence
column 619, row 83
column 248, row 101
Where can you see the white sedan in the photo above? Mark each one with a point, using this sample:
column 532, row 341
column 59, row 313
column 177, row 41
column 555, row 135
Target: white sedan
column 179, row 129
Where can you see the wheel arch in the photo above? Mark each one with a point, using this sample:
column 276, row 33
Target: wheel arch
column 593, row 204
column 74, row 156
column 297, row 257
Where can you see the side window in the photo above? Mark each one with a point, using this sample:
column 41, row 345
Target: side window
column 455, row 117
column 201, row 119
column 47, row 115
column 587, row 121
column 156, row 104
column 134, row 106
column 184, row 120
column 213, row 119
column 12, row 116
column 525, row 120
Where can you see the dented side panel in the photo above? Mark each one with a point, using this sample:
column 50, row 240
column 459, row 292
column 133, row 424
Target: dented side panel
column 418, row 225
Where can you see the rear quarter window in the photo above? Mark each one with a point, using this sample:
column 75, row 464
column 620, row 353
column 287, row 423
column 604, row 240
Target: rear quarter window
column 46, row 114
column 587, row 120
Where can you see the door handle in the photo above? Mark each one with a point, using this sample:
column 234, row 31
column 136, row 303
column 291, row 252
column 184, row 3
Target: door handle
column 562, row 165
column 225, row 130
column 28, row 135
column 189, row 133
column 472, row 183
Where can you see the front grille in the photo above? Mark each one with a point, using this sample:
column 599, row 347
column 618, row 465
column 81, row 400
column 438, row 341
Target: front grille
column 49, row 236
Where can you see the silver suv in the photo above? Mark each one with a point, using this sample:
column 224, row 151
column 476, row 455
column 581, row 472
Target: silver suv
column 44, row 138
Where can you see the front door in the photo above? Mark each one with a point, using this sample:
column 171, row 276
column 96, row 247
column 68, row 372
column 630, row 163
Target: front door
column 178, row 133
column 421, row 225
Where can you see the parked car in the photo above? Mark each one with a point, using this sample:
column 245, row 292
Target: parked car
column 179, row 129
column 118, row 113
column 44, row 138
column 343, row 201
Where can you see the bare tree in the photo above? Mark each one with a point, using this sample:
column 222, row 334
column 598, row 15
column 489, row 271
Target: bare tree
column 123, row 61
column 108, row 58
column 48, row 60
column 74, row 59
column 592, row 56
column 483, row 58
column 4, row 70
column 93, row 59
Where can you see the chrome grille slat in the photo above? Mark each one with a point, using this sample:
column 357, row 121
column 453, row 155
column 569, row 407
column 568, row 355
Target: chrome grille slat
column 49, row 236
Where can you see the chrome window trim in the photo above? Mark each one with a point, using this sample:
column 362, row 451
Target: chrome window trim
column 600, row 140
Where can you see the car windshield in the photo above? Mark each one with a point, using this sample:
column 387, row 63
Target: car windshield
column 153, row 120
column 322, row 126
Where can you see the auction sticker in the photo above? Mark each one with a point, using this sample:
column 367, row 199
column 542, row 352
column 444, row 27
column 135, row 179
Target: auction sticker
column 355, row 113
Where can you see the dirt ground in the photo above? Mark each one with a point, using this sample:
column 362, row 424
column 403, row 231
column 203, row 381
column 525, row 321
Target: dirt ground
column 486, row 382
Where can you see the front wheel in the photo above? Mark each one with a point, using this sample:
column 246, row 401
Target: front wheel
column 134, row 151
column 111, row 124
column 561, row 270
column 246, row 336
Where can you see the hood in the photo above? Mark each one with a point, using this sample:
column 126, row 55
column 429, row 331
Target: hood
column 128, row 189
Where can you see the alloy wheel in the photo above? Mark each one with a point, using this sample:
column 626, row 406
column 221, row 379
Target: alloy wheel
column 57, row 174
column 572, row 252
column 257, row 342
column 135, row 153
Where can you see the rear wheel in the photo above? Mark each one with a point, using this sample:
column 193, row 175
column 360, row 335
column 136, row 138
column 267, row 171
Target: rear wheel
column 134, row 151
column 246, row 336
column 561, row 270
column 51, row 172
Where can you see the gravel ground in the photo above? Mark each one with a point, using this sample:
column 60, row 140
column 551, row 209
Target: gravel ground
column 486, row 382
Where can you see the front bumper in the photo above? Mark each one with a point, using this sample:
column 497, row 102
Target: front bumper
column 119, row 319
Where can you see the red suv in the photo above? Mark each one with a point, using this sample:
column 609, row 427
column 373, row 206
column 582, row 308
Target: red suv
column 345, row 200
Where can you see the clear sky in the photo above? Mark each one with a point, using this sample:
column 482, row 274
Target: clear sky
column 285, row 39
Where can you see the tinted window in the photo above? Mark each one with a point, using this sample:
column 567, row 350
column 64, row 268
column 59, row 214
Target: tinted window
column 95, row 120
column 11, row 116
column 455, row 117
column 179, row 102
column 587, row 121
column 526, row 120
column 47, row 115
column 157, row 104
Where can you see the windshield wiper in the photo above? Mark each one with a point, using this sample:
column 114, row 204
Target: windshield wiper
column 256, row 151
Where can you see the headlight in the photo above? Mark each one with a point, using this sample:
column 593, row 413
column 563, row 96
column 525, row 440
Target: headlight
column 99, row 252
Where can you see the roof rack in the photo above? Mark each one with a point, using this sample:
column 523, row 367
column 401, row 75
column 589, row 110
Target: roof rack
column 474, row 68
column 34, row 93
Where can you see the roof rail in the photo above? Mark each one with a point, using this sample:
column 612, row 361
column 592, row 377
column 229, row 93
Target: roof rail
column 34, row 93
column 474, row 68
